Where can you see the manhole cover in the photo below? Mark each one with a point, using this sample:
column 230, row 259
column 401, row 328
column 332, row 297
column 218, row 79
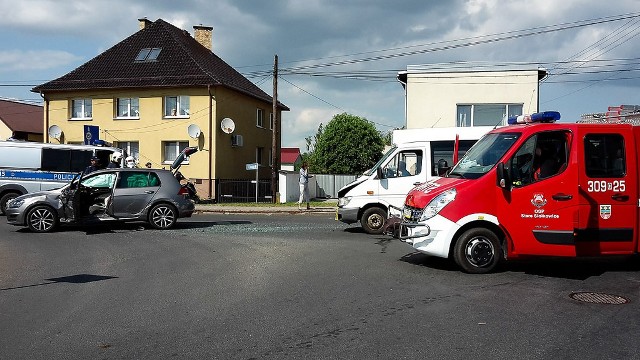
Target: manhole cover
column 598, row 298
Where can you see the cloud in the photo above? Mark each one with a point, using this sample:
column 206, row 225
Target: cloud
column 19, row 60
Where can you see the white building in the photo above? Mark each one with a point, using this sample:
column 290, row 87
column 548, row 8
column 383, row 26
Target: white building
column 448, row 95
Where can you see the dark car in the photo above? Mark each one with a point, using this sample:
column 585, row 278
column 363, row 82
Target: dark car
column 119, row 194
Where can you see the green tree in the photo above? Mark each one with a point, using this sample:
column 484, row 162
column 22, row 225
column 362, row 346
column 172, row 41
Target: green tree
column 348, row 144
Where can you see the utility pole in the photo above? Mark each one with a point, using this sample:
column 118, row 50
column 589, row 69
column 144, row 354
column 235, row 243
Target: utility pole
column 275, row 135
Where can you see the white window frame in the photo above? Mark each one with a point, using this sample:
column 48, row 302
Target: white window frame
column 170, row 158
column 131, row 148
column 85, row 104
column 133, row 107
column 463, row 122
column 181, row 109
column 260, row 118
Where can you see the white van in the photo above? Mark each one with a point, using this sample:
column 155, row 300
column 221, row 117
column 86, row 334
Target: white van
column 412, row 160
column 29, row 166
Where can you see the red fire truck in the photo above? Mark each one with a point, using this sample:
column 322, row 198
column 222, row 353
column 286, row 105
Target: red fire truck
column 537, row 187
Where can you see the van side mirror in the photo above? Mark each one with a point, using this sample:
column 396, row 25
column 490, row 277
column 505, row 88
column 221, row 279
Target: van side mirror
column 380, row 173
column 502, row 177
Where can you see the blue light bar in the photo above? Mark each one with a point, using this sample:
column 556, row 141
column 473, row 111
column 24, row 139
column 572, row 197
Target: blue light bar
column 545, row 117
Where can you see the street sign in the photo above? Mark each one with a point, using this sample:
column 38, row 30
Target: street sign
column 91, row 134
column 251, row 166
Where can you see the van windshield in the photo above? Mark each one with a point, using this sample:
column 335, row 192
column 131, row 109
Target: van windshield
column 383, row 159
column 483, row 155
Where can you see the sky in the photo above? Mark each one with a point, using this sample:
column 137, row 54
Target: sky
column 344, row 56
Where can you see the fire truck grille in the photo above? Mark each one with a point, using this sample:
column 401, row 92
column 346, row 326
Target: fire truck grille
column 411, row 214
column 598, row 298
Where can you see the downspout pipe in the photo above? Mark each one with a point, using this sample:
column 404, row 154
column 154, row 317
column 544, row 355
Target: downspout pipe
column 46, row 117
column 211, row 127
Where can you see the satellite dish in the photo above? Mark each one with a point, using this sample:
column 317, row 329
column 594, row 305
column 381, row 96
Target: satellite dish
column 227, row 125
column 194, row 131
column 55, row 131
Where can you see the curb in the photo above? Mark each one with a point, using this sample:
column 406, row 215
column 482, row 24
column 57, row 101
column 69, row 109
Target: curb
column 250, row 210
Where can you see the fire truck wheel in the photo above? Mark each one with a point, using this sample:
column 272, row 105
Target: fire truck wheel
column 477, row 251
column 373, row 219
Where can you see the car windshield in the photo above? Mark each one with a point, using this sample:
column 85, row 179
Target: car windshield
column 483, row 155
column 384, row 158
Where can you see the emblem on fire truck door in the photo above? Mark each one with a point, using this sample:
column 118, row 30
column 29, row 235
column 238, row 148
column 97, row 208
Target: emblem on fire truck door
column 605, row 211
column 538, row 200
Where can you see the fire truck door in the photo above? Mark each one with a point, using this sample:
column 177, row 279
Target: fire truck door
column 539, row 212
column 607, row 190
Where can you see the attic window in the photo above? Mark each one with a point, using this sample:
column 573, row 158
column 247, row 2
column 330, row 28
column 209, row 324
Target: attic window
column 148, row 54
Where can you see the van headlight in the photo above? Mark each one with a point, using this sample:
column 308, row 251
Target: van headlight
column 343, row 201
column 13, row 204
column 438, row 203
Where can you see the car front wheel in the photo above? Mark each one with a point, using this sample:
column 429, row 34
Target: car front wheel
column 477, row 251
column 42, row 219
column 373, row 220
column 162, row 216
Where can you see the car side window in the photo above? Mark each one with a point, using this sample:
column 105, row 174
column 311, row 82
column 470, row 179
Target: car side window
column 604, row 155
column 137, row 180
column 406, row 163
column 103, row 181
column 541, row 156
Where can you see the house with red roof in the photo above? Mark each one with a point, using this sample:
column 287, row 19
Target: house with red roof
column 160, row 90
column 20, row 121
column 290, row 159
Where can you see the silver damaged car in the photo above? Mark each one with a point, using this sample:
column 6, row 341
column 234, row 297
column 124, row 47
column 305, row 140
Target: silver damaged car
column 121, row 194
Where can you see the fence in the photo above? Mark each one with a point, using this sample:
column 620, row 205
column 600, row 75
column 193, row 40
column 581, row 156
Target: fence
column 320, row 186
column 239, row 191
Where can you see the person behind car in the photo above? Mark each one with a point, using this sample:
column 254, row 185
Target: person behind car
column 116, row 158
column 95, row 165
column 130, row 162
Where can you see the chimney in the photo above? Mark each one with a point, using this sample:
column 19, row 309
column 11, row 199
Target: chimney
column 202, row 34
column 144, row 22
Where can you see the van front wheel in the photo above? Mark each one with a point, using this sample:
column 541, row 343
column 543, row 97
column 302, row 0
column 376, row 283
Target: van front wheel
column 477, row 251
column 373, row 219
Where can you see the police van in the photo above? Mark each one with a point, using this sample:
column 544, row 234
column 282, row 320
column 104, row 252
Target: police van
column 29, row 166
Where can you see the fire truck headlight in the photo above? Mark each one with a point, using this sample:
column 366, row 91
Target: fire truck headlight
column 439, row 202
column 343, row 201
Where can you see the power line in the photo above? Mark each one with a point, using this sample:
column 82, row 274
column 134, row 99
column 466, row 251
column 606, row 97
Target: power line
column 326, row 102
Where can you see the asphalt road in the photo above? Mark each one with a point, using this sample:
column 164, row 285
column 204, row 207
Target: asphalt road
column 303, row 286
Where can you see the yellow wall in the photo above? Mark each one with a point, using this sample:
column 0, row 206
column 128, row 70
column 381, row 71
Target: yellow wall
column 151, row 128
column 5, row 132
column 243, row 111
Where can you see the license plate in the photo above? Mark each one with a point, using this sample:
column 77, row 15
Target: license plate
column 406, row 213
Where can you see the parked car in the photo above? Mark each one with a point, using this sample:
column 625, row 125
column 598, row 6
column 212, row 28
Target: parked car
column 118, row 194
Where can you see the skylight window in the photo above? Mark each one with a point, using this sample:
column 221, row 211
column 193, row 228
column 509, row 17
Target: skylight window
column 148, row 54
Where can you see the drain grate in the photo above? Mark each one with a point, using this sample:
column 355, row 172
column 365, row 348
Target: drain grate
column 598, row 298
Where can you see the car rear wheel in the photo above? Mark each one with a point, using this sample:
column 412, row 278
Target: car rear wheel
column 162, row 216
column 373, row 220
column 42, row 219
column 4, row 201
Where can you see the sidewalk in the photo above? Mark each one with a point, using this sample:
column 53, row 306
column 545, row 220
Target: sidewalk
column 328, row 206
